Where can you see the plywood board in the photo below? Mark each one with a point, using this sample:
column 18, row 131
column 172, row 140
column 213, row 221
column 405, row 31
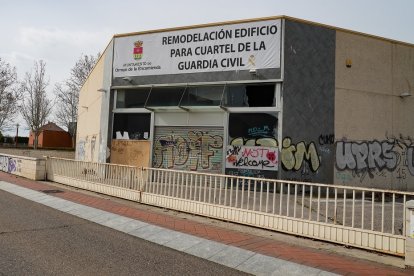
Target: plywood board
column 130, row 152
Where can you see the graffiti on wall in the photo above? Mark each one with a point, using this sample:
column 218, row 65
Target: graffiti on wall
column 326, row 139
column 367, row 155
column 376, row 158
column 194, row 150
column 93, row 143
column 85, row 148
column 249, row 173
column 410, row 159
column 252, row 157
column 80, row 150
column 264, row 142
column 293, row 156
column 9, row 164
column 261, row 131
column 252, row 145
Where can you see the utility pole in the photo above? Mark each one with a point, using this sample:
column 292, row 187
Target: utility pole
column 17, row 134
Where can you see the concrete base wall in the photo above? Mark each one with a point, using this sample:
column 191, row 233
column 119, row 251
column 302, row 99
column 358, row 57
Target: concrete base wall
column 39, row 153
column 28, row 167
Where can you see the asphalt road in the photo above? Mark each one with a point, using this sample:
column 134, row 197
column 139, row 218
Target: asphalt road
column 37, row 240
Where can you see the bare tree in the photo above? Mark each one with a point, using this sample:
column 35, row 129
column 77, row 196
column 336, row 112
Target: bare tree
column 67, row 107
column 9, row 95
column 36, row 106
column 67, row 92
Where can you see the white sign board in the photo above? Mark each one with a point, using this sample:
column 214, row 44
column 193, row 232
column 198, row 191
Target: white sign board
column 252, row 157
column 253, row 45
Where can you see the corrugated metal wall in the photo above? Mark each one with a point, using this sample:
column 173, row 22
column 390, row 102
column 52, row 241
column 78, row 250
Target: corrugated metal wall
column 188, row 148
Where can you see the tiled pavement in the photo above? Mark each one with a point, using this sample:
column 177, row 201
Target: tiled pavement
column 245, row 252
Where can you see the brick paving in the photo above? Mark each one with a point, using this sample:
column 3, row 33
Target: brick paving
column 320, row 259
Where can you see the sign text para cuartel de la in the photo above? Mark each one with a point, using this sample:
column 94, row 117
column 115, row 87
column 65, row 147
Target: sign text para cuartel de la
column 220, row 48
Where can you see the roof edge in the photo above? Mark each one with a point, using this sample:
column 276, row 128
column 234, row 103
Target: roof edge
column 96, row 63
column 348, row 31
column 197, row 26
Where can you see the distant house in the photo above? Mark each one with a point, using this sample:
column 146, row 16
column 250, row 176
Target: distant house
column 51, row 136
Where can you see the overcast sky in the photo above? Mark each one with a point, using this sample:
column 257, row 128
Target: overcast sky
column 59, row 32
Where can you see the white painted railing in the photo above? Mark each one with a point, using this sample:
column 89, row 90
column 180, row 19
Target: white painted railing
column 115, row 180
column 368, row 218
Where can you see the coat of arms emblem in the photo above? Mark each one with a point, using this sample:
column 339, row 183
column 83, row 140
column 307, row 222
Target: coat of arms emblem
column 138, row 50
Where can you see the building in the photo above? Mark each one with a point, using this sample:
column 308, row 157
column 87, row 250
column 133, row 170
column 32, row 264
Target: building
column 51, row 136
column 274, row 97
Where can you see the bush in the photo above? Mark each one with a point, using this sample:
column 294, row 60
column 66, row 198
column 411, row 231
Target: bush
column 11, row 140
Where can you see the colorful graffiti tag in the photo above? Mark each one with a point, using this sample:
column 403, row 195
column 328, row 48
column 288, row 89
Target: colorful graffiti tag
column 264, row 142
column 8, row 164
column 252, row 157
column 194, row 150
column 293, row 156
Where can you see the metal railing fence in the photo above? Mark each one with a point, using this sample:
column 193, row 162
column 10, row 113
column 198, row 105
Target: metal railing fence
column 369, row 218
column 122, row 176
column 364, row 208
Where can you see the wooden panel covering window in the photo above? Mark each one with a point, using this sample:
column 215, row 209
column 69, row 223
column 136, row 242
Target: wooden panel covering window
column 131, row 152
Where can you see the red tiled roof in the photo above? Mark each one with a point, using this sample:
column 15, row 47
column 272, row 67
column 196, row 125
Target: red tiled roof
column 51, row 127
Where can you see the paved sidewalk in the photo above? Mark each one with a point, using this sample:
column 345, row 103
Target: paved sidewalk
column 245, row 252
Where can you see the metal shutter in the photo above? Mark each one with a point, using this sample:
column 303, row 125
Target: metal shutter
column 188, row 148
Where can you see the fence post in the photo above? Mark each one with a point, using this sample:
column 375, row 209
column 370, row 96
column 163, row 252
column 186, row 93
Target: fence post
column 144, row 178
column 409, row 233
column 47, row 167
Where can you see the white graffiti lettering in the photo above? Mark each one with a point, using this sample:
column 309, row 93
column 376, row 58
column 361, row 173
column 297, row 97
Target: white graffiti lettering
column 410, row 160
column 367, row 155
column 8, row 164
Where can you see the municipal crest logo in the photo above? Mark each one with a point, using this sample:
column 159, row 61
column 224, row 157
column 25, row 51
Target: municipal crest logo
column 138, row 49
